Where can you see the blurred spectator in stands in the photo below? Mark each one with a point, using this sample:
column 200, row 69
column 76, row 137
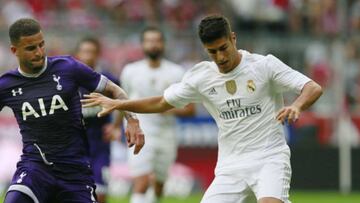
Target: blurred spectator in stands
column 12, row 10
column 329, row 18
column 255, row 14
column 318, row 68
column 355, row 16
column 318, row 17
column 179, row 13
column 352, row 75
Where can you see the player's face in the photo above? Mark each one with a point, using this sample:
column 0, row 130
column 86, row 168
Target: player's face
column 30, row 51
column 224, row 53
column 88, row 53
column 153, row 44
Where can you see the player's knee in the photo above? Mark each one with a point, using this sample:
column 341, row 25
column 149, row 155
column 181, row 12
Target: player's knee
column 141, row 184
column 269, row 200
column 16, row 196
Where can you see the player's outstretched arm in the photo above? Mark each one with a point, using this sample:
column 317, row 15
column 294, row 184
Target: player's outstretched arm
column 147, row 105
column 309, row 94
column 187, row 111
column 133, row 133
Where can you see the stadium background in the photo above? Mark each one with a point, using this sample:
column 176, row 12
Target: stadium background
column 320, row 38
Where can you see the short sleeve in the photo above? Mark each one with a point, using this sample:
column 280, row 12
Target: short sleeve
column 182, row 93
column 88, row 78
column 111, row 77
column 285, row 78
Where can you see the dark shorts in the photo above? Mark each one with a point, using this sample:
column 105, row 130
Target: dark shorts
column 43, row 185
column 99, row 163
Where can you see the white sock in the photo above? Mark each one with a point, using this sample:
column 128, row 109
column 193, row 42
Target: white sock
column 155, row 200
column 150, row 194
column 138, row 198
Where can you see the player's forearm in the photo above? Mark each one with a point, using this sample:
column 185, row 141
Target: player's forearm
column 309, row 94
column 189, row 110
column 115, row 92
column 146, row 105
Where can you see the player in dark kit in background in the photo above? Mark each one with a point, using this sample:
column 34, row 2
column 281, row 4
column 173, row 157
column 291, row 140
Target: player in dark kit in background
column 43, row 94
column 100, row 131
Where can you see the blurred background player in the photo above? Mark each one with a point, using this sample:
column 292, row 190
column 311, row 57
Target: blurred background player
column 100, row 131
column 145, row 78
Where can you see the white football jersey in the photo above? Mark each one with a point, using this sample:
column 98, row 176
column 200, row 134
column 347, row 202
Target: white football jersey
column 243, row 102
column 139, row 80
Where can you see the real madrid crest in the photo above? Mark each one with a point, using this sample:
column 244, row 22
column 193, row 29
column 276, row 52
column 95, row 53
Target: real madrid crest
column 250, row 86
column 230, row 86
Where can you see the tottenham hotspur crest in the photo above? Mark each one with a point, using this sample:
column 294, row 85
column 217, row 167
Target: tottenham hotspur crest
column 57, row 80
column 250, row 86
column 21, row 177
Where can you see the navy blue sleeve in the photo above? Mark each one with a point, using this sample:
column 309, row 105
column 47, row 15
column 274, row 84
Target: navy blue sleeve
column 87, row 78
column 111, row 77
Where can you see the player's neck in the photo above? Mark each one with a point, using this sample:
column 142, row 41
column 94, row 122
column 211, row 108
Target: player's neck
column 154, row 63
column 32, row 72
column 237, row 62
column 238, row 58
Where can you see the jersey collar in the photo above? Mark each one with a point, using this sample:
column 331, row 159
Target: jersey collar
column 237, row 68
column 29, row 75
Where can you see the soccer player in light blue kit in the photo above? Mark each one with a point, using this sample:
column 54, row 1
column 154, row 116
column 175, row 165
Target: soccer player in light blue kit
column 43, row 94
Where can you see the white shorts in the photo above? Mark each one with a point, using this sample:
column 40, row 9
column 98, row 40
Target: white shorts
column 269, row 177
column 154, row 157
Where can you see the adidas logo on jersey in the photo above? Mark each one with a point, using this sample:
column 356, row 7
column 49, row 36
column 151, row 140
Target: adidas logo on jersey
column 212, row 91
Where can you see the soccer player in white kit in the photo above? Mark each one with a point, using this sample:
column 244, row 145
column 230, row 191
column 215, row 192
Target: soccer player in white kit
column 150, row 77
column 243, row 93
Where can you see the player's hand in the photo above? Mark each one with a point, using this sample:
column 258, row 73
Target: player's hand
column 96, row 99
column 111, row 132
column 289, row 113
column 134, row 135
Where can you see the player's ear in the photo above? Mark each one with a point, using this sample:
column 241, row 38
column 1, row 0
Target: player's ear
column 233, row 37
column 13, row 49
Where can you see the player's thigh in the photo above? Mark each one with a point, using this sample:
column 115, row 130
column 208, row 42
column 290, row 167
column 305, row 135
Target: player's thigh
column 164, row 159
column 99, row 164
column 33, row 180
column 76, row 191
column 142, row 163
column 227, row 189
column 274, row 179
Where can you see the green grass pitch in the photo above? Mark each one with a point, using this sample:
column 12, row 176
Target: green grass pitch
column 295, row 197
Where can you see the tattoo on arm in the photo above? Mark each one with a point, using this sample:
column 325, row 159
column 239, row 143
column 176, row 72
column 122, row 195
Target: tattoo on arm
column 116, row 92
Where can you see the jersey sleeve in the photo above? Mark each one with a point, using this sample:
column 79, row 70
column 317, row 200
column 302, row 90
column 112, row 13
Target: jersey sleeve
column 89, row 79
column 111, row 77
column 182, row 93
column 285, row 78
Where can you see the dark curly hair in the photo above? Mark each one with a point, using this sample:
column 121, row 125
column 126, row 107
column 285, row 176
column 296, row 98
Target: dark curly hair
column 22, row 28
column 213, row 27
